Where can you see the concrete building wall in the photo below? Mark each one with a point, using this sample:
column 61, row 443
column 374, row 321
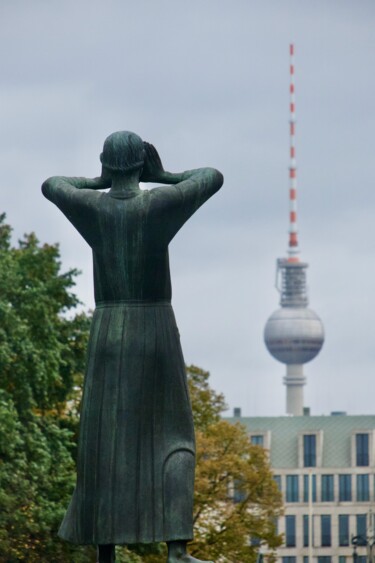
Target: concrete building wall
column 336, row 453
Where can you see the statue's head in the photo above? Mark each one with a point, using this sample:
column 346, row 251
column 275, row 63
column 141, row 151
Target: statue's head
column 123, row 152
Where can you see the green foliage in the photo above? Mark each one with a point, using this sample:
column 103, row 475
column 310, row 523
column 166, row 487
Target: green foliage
column 42, row 354
column 236, row 497
column 207, row 404
column 41, row 349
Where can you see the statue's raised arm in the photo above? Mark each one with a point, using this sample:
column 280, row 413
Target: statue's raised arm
column 153, row 171
column 187, row 190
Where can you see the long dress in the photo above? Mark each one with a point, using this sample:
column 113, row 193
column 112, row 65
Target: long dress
column 136, row 456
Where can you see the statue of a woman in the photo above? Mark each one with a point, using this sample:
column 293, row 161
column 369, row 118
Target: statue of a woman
column 135, row 468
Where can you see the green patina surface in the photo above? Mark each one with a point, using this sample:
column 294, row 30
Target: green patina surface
column 136, row 447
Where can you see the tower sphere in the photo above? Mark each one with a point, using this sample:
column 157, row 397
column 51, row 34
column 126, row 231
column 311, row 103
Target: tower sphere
column 294, row 335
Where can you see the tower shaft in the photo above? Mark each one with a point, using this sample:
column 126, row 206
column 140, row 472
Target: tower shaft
column 294, row 381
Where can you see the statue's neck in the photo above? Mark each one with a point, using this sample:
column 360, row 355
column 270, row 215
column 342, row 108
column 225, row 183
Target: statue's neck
column 124, row 187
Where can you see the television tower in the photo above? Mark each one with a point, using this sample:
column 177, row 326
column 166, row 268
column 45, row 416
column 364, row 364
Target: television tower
column 293, row 334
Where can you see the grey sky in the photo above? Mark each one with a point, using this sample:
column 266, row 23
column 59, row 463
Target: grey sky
column 207, row 83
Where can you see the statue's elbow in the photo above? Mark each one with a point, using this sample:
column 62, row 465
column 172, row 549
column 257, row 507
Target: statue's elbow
column 217, row 178
column 220, row 178
column 47, row 186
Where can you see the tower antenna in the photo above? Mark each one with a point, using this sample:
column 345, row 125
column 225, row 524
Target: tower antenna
column 293, row 249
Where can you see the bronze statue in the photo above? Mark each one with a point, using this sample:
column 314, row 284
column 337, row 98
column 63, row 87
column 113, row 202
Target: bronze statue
column 136, row 458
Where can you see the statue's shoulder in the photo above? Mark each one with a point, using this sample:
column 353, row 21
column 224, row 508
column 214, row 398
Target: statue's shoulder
column 168, row 192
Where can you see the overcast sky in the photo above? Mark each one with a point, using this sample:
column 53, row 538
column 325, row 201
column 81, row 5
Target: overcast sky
column 206, row 81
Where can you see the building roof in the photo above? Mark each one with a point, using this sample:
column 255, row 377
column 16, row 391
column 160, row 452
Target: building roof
column 337, row 434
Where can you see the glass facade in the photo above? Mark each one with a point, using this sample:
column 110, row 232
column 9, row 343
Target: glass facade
column 362, row 528
column 292, row 488
column 363, row 488
column 305, row 530
column 344, row 530
column 345, row 488
column 327, row 488
column 290, row 531
column 309, row 450
column 362, row 450
column 306, row 488
column 326, row 530
column 257, row 440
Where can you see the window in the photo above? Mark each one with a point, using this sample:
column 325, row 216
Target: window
column 290, row 559
column 290, row 531
column 324, row 559
column 257, row 440
column 342, row 559
column 306, row 479
column 362, row 528
column 305, row 559
column 292, row 488
column 345, row 487
column 309, row 450
column 327, row 488
column 361, row 559
column 255, row 541
column 239, row 494
column 305, row 530
column 326, row 530
column 343, row 530
column 277, row 479
column 363, row 488
column 362, row 449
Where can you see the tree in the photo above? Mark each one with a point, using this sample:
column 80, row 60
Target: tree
column 42, row 354
column 236, row 497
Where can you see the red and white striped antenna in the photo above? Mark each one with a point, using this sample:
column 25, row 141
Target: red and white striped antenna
column 293, row 247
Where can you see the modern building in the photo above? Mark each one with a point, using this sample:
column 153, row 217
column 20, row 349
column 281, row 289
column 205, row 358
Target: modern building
column 325, row 468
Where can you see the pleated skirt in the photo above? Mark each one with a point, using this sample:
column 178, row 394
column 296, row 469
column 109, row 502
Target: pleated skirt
column 136, row 453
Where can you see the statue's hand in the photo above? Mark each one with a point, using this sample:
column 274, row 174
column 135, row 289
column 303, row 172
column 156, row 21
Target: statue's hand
column 153, row 170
